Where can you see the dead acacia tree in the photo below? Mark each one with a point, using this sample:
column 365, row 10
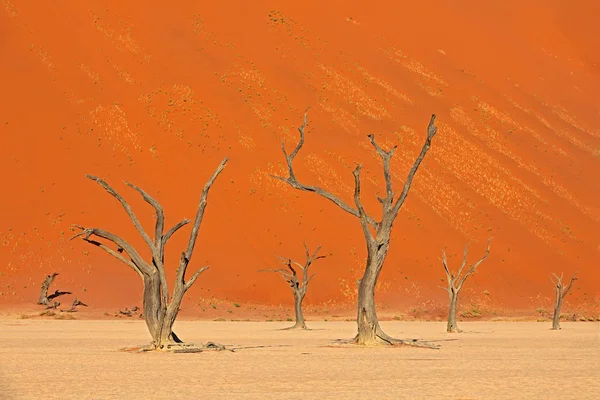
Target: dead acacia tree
column 298, row 286
column 159, row 312
column 456, row 282
column 561, row 293
column 377, row 233
column 76, row 303
column 45, row 299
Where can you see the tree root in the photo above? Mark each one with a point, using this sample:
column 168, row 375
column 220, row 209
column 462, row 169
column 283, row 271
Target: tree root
column 296, row 327
column 383, row 339
column 178, row 348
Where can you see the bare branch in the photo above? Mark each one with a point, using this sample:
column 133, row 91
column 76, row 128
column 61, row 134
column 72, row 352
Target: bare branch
column 181, row 285
column 137, row 263
column 464, row 261
column 309, row 279
column 127, row 208
column 449, row 275
column 174, row 229
column 293, row 182
column 386, row 156
column 568, row 288
column 56, row 294
column 556, row 281
column 431, row 131
column 201, row 208
column 474, row 267
column 115, row 254
column 364, row 222
column 298, row 265
column 289, row 265
column 301, row 130
column 191, row 281
column 160, row 215
column 307, row 251
column 281, row 271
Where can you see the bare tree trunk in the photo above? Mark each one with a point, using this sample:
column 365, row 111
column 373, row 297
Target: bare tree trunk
column 47, row 300
column 368, row 324
column 556, row 317
column 43, row 300
column 153, row 309
column 452, row 325
column 369, row 331
column 300, row 324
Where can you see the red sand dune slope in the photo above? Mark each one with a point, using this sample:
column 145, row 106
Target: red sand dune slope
column 158, row 94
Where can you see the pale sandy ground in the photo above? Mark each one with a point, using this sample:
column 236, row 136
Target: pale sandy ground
column 490, row 360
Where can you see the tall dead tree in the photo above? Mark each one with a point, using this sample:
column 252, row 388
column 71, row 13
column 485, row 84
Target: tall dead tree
column 377, row 233
column 561, row 293
column 159, row 312
column 298, row 285
column 456, row 282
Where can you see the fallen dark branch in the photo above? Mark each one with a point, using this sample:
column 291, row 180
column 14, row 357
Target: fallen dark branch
column 128, row 312
column 57, row 294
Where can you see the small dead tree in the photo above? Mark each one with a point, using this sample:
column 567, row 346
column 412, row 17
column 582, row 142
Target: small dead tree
column 377, row 233
column 45, row 299
column 561, row 292
column 76, row 303
column 129, row 312
column 456, row 282
column 159, row 311
column 298, row 286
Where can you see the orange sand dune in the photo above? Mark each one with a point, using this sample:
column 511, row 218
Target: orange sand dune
column 158, row 94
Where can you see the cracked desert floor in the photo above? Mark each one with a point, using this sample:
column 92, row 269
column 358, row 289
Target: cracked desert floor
column 489, row 360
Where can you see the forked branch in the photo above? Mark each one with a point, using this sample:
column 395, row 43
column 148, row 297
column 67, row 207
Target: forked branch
column 160, row 215
column 386, row 156
column 126, row 206
column 456, row 281
column 431, row 131
column 293, row 182
column 558, row 284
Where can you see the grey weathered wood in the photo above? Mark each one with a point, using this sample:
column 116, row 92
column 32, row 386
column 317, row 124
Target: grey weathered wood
column 456, row 282
column 377, row 233
column 75, row 304
column 298, row 285
column 45, row 299
column 160, row 309
column 560, row 293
